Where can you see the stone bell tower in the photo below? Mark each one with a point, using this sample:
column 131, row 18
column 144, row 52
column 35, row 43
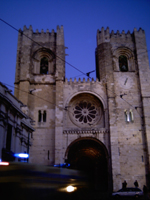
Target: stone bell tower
column 40, row 74
column 123, row 67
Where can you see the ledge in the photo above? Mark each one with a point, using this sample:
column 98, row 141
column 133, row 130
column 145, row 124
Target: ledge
column 85, row 131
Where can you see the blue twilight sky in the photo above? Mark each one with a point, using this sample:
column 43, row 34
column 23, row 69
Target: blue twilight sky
column 80, row 19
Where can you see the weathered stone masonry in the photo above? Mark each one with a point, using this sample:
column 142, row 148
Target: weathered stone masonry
column 104, row 122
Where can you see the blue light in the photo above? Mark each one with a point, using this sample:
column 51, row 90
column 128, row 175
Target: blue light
column 63, row 165
column 21, row 155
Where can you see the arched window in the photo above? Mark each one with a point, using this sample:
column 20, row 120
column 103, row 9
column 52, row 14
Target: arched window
column 129, row 116
column 44, row 66
column 42, row 116
column 126, row 114
column 123, row 63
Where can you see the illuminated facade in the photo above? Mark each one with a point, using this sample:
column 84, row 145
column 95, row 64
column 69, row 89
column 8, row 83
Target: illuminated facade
column 100, row 126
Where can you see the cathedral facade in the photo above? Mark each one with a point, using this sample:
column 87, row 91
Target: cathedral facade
column 99, row 126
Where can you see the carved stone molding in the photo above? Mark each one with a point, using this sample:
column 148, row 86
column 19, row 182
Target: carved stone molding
column 85, row 131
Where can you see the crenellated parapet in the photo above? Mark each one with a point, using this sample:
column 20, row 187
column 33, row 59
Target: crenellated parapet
column 25, row 29
column 89, row 86
column 104, row 35
column 140, row 31
column 43, row 36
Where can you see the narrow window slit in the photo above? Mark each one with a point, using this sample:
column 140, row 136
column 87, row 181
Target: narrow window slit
column 40, row 116
column 44, row 116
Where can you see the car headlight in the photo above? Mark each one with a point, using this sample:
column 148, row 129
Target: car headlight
column 70, row 188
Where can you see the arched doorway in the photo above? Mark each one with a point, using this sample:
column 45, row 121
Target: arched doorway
column 90, row 156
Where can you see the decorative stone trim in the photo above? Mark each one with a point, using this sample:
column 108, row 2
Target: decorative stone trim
column 79, row 81
column 84, row 131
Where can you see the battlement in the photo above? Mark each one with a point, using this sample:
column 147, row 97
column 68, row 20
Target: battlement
column 25, row 29
column 42, row 31
column 44, row 36
column 106, row 36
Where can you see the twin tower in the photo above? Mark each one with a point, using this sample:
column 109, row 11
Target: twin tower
column 100, row 126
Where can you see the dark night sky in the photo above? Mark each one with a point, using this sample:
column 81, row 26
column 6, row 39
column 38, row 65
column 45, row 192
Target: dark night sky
column 80, row 19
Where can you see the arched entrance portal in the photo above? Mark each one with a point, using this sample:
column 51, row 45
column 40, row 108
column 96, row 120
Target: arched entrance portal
column 90, row 155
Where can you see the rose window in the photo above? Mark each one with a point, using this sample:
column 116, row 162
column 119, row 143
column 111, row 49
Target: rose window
column 85, row 110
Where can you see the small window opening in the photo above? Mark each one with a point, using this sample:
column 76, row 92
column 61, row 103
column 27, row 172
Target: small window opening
column 44, row 116
column 127, row 119
column 40, row 116
column 128, row 116
column 44, row 66
column 131, row 116
column 123, row 63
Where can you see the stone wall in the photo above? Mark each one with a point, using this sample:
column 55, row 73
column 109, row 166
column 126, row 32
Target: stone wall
column 113, row 109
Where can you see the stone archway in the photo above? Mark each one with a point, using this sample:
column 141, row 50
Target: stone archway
column 90, row 156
